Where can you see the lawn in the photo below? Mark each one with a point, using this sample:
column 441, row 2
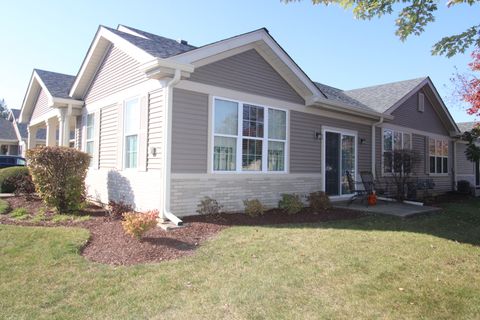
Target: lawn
column 373, row 267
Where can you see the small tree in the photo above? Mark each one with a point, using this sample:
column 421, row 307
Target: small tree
column 59, row 176
column 403, row 163
column 3, row 109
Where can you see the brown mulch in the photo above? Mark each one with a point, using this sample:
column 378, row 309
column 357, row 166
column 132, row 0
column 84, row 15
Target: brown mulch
column 109, row 244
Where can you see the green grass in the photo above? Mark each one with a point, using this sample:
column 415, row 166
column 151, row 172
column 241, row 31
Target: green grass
column 3, row 206
column 19, row 214
column 375, row 267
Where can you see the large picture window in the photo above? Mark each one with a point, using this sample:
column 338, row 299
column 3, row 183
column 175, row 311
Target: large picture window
column 394, row 140
column 131, row 128
column 248, row 137
column 438, row 156
column 90, row 136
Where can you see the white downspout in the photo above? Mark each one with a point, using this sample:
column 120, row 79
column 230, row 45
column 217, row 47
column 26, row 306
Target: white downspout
column 373, row 146
column 167, row 159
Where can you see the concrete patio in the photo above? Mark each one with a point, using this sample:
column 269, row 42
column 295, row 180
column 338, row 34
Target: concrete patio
column 403, row 210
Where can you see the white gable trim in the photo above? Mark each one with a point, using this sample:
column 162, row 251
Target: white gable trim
column 31, row 97
column 104, row 38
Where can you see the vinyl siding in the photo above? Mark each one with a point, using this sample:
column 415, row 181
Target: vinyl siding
column 155, row 129
column 247, row 72
column 108, row 136
column 305, row 150
column 464, row 166
column 189, row 132
column 117, row 72
column 407, row 115
column 41, row 106
column 421, row 169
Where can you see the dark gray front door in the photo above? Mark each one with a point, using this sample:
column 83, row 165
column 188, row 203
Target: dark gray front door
column 332, row 163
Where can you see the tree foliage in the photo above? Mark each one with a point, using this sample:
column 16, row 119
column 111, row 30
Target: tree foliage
column 412, row 19
column 3, row 109
column 468, row 87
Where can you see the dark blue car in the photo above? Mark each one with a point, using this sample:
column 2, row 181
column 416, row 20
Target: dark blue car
column 12, row 161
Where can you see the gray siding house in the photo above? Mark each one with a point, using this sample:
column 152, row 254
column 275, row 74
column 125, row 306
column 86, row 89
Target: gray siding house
column 167, row 123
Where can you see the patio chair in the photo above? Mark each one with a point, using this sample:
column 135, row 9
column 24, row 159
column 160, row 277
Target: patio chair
column 358, row 193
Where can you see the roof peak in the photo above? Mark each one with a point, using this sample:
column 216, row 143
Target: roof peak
column 419, row 79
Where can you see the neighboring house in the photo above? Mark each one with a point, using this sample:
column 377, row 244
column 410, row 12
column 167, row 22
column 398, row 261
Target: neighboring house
column 466, row 169
column 9, row 144
column 168, row 123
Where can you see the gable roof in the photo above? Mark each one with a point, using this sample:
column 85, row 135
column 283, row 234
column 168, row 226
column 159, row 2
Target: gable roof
column 384, row 96
column 7, row 130
column 339, row 95
column 58, row 84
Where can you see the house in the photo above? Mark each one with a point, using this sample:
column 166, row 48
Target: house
column 13, row 135
column 466, row 169
column 168, row 123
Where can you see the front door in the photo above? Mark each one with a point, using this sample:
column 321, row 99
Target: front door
column 340, row 150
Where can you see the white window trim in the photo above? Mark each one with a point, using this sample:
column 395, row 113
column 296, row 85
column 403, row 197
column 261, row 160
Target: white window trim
column 403, row 132
column 92, row 140
column 240, row 137
column 437, row 174
column 323, row 159
column 124, row 140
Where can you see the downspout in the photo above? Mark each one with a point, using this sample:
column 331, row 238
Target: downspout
column 373, row 146
column 167, row 159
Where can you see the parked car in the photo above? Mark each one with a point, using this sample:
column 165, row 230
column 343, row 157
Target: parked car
column 12, row 161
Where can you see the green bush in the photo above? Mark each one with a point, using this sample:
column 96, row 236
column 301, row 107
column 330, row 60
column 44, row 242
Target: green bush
column 319, row 201
column 290, row 203
column 254, row 207
column 209, row 207
column 8, row 176
column 19, row 213
column 59, row 176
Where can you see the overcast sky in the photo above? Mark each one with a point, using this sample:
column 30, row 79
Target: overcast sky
column 327, row 42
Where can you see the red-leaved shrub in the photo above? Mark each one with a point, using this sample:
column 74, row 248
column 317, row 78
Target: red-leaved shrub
column 136, row 224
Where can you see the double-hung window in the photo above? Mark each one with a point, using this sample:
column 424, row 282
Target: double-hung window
column 438, row 153
column 394, row 141
column 89, row 145
column 131, row 129
column 248, row 137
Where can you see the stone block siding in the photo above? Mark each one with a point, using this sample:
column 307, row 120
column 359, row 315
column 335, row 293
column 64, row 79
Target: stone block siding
column 231, row 190
column 141, row 189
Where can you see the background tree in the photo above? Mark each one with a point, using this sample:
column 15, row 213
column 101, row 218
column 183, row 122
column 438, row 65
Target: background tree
column 3, row 109
column 412, row 19
column 468, row 89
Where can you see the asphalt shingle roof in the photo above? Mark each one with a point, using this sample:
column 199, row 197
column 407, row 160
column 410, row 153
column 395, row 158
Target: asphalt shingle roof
column 155, row 45
column 58, row 84
column 339, row 95
column 7, row 131
column 466, row 126
column 382, row 97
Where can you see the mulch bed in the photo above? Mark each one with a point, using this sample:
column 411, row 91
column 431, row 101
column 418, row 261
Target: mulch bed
column 109, row 244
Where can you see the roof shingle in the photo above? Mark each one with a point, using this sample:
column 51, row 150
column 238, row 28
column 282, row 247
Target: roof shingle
column 58, row 84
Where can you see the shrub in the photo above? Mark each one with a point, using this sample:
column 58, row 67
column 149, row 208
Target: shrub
column 319, row 201
column 209, row 207
column 19, row 213
column 59, row 176
column 254, row 207
column 23, row 185
column 116, row 209
column 463, row 186
column 137, row 224
column 290, row 203
column 8, row 176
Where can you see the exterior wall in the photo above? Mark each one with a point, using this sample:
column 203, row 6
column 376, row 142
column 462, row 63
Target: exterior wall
column 41, row 106
column 443, row 183
column 189, row 132
column 117, row 72
column 108, row 151
column 231, row 190
column 407, row 115
column 305, row 150
column 465, row 168
column 247, row 72
column 156, row 100
column 140, row 189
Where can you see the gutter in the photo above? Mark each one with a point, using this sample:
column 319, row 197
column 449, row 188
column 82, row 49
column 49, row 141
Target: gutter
column 165, row 213
column 373, row 146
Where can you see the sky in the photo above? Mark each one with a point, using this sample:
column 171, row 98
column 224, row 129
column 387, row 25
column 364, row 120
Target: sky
column 326, row 42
